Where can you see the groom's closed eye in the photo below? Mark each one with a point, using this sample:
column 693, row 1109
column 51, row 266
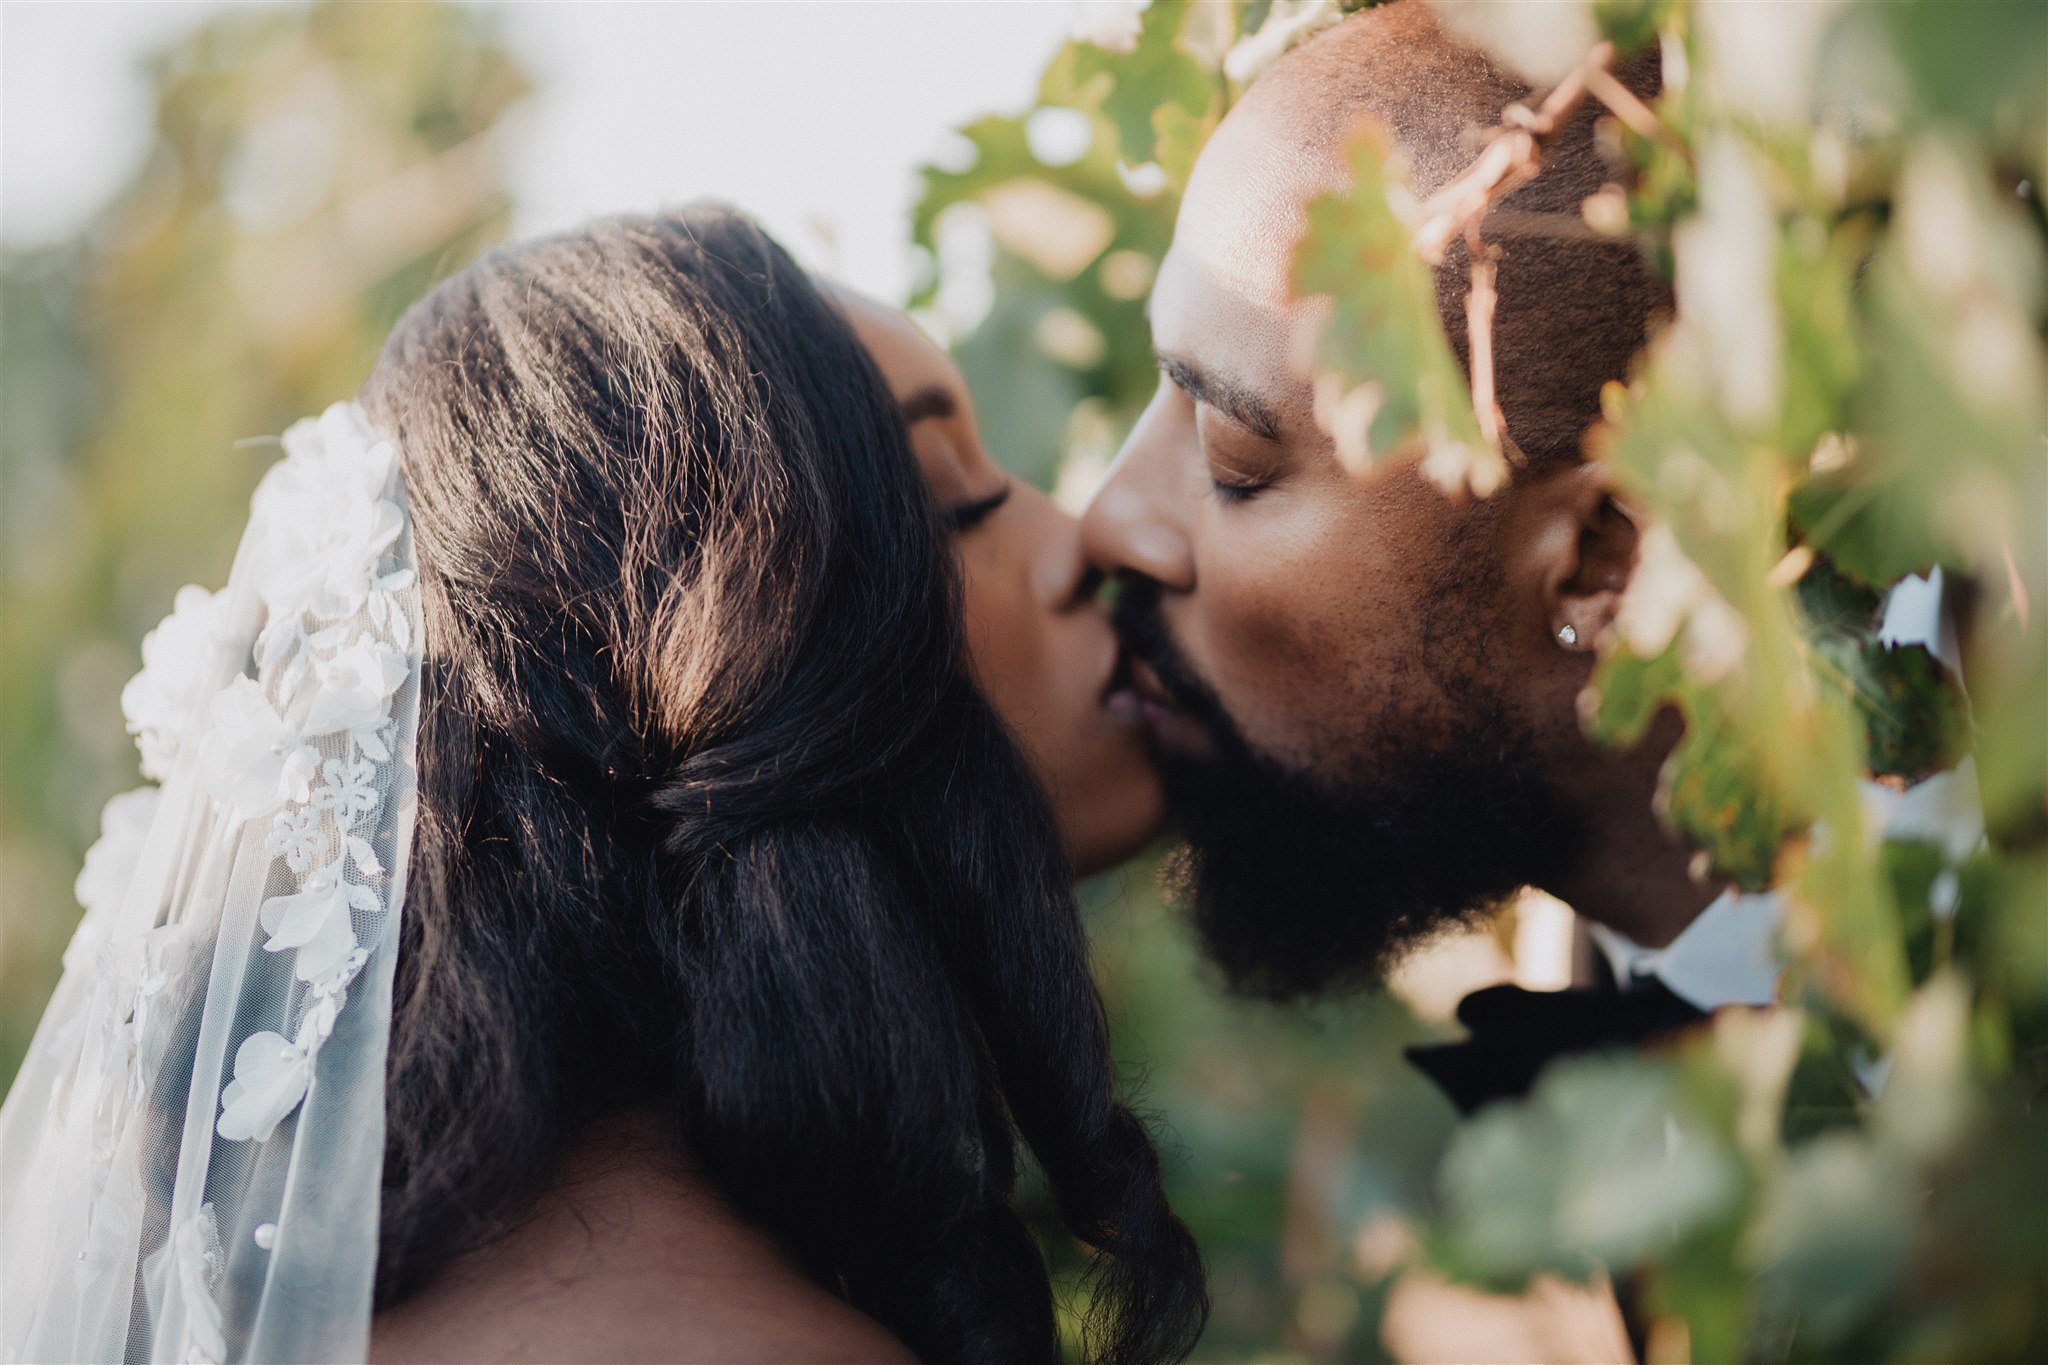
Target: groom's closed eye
column 1237, row 431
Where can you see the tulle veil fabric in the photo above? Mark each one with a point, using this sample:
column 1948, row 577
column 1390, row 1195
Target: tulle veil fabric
column 191, row 1154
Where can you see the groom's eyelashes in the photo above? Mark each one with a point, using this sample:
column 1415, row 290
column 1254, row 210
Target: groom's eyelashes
column 1239, row 463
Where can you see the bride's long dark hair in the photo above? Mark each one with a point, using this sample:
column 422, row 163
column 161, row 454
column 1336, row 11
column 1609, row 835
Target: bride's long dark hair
column 711, row 817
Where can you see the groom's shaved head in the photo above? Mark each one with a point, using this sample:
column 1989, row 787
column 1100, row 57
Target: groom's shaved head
column 1573, row 308
column 1434, row 96
column 1373, row 727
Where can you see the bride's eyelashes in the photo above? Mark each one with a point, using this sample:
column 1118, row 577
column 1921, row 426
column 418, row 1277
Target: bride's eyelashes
column 967, row 515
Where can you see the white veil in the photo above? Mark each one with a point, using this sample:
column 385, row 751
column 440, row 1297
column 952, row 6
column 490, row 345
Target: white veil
column 191, row 1155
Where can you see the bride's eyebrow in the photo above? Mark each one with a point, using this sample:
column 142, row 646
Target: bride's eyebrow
column 934, row 400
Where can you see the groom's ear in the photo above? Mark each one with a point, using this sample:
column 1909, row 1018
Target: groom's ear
column 1578, row 550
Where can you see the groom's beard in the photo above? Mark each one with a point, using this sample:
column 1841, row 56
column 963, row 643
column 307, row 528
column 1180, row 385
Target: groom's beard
column 1300, row 885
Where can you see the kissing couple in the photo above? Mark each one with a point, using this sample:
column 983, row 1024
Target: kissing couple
column 607, row 891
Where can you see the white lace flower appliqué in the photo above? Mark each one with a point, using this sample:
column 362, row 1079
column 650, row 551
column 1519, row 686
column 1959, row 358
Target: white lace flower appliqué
column 200, row 1265
column 271, row 1076
column 110, row 863
column 316, row 921
column 326, row 519
column 300, row 837
column 255, row 762
column 303, row 741
column 166, row 699
column 305, row 745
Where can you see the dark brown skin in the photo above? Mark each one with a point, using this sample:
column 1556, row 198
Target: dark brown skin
column 630, row 1259
column 1042, row 646
column 1294, row 587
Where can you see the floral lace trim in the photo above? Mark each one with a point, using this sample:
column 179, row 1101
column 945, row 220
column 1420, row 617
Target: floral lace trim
column 337, row 647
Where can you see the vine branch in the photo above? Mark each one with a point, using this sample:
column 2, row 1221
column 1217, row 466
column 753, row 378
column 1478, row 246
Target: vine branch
column 1511, row 159
column 1480, row 300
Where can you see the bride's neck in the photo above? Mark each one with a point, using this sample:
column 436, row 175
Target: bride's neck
column 625, row 1198
column 629, row 1253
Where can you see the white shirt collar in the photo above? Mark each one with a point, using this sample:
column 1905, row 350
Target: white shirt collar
column 1726, row 956
column 1913, row 616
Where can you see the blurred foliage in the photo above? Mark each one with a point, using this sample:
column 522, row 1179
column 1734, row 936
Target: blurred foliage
column 1296, row 1141
column 1855, row 390
column 313, row 169
column 1387, row 376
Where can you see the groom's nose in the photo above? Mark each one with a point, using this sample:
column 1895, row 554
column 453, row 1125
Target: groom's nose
column 1133, row 525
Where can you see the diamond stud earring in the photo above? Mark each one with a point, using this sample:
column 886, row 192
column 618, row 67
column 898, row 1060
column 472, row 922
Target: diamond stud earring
column 1567, row 635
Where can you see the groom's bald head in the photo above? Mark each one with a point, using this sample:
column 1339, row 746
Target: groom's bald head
column 1373, row 723
column 1573, row 308
column 1435, row 96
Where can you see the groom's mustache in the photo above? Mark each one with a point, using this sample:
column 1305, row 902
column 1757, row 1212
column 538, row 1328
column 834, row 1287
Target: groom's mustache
column 1141, row 627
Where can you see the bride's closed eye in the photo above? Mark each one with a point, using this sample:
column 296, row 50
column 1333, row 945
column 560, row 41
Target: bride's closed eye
column 966, row 516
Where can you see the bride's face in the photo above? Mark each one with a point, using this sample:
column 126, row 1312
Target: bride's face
column 1041, row 643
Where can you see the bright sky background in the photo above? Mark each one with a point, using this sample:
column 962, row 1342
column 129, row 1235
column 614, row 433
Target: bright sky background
column 811, row 115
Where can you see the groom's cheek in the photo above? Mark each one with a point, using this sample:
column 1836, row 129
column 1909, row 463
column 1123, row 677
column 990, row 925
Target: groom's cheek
column 1301, row 629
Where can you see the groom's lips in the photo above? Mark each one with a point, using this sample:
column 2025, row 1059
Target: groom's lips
column 1145, row 682
column 1137, row 694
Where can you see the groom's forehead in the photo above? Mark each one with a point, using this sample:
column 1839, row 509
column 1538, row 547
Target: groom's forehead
column 1207, row 318
column 1246, row 206
column 1224, row 298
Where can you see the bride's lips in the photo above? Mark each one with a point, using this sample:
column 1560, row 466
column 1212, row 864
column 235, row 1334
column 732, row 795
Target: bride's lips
column 1136, row 696
column 1120, row 697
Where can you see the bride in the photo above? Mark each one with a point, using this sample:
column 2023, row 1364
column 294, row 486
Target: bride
column 588, row 910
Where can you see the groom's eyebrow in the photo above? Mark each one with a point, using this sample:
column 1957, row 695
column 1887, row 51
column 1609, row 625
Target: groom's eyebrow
column 1235, row 401
column 933, row 400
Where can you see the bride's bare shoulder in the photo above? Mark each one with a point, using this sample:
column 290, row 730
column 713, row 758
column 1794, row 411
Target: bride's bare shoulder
column 627, row 1260
column 727, row 1324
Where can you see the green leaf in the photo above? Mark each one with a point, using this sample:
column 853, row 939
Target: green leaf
column 1913, row 716
column 1983, row 63
column 1834, row 1232
column 1632, row 24
column 1868, row 535
column 1605, row 1163
column 1712, row 789
column 1815, row 289
column 1383, row 328
column 1158, row 74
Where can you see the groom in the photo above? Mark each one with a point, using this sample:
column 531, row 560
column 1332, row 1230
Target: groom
column 1362, row 692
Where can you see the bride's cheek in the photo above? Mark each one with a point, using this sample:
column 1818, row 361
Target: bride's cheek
column 1005, row 638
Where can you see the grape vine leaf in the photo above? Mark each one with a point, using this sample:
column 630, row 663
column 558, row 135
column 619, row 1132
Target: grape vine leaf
column 1155, row 87
column 1384, row 331
column 1605, row 1163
